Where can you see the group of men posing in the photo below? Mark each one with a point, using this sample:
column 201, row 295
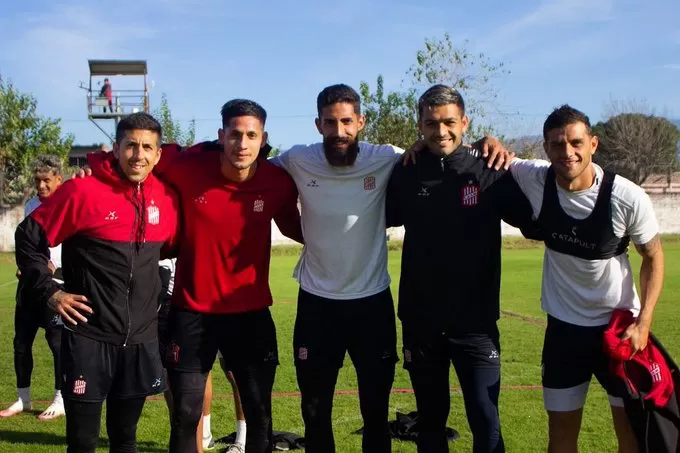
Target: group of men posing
column 117, row 224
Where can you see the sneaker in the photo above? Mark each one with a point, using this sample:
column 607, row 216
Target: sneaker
column 55, row 410
column 15, row 409
column 235, row 448
column 208, row 443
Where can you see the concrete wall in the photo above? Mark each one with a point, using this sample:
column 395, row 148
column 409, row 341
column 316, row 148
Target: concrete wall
column 10, row 218
column 666, row 205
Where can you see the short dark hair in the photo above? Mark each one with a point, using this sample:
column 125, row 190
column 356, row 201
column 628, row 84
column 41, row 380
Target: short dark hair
column 140, row 120
column 339, row 93
column 438, row 95
column 46, row 163
column 242, row 107
column 563, row 116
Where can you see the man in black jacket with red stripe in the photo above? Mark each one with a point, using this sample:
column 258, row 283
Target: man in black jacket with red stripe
column 112, row 227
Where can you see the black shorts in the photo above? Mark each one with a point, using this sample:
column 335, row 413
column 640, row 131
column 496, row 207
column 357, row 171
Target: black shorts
column 93, row 370
column 325, row 329
column 244, row 339
column 571, row 356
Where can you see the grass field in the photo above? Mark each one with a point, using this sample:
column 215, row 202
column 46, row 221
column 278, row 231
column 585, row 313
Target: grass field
column 523, row 420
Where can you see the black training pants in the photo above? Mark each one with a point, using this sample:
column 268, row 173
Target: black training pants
column 27, row 321
column 476, row 359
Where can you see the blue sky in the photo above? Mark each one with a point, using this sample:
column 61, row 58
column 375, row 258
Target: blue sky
column 282, row 53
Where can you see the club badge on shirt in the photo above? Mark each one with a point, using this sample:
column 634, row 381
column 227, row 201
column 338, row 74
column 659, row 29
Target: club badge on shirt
column 153, row 214
column 258, row 205
column 469, row 195
column 369, row 182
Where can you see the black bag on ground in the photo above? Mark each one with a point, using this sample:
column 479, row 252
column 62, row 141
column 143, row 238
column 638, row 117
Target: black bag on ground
column 405, row 427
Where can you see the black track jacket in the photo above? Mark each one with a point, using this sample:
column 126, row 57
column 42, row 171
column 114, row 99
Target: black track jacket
column 451, row 209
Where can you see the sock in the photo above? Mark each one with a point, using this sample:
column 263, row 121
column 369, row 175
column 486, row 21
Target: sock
column 25, row 395
column 206, row 426
column 240, row 433
column 58, row 398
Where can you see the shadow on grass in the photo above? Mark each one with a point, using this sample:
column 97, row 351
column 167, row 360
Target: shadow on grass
column 41, row 438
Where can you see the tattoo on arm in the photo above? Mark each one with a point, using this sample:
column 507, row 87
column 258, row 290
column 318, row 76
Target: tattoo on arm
column 650, row 248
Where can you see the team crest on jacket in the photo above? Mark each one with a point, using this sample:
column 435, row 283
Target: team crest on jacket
column 153, row 214
column 258, row 205
column 469, row 195
column 369, row 182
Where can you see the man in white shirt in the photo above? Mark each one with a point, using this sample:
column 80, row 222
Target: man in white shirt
column 29, row 315
column 344, row 301
column 587, row 217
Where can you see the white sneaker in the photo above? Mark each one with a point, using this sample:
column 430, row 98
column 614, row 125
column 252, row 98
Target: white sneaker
column 236, row 448
column 15, row 409
column 55, row 410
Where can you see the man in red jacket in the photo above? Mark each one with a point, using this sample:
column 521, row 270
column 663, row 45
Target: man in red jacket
column 221, row 297
column 112, row 226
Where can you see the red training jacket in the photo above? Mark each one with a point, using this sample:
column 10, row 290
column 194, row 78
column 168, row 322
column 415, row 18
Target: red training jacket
column 112, row 233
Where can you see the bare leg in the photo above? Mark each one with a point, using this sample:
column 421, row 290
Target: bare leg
column 624, row 432
column 563, row 430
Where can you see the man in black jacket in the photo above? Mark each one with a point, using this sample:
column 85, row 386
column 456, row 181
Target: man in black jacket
column 451, row 205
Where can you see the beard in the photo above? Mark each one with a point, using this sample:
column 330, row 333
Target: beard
column 340, row 152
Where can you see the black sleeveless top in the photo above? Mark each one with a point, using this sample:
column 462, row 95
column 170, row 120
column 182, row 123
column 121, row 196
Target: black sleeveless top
column 591, row 238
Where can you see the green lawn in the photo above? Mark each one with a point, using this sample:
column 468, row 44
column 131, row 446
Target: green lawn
column 523, row 419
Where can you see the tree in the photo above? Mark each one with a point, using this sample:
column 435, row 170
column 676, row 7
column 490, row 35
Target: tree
column 275, row 151
column 637, row 145
column 441, row 61
column 172, row 129
column 23, row 136
column 390, row 118
column 529, row 147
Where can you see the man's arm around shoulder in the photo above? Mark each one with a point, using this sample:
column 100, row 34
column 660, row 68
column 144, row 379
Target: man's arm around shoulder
column 172, row 219
column 514, row 206
column 288, row 218
column 394, row 209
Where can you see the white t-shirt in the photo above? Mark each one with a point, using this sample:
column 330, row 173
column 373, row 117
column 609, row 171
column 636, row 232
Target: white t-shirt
column 55, row 252
column 169, row 264
column 343, row 220
column 579, row 291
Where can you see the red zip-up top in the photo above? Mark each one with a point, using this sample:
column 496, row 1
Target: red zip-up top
column 112, row 233
column 225, row 245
